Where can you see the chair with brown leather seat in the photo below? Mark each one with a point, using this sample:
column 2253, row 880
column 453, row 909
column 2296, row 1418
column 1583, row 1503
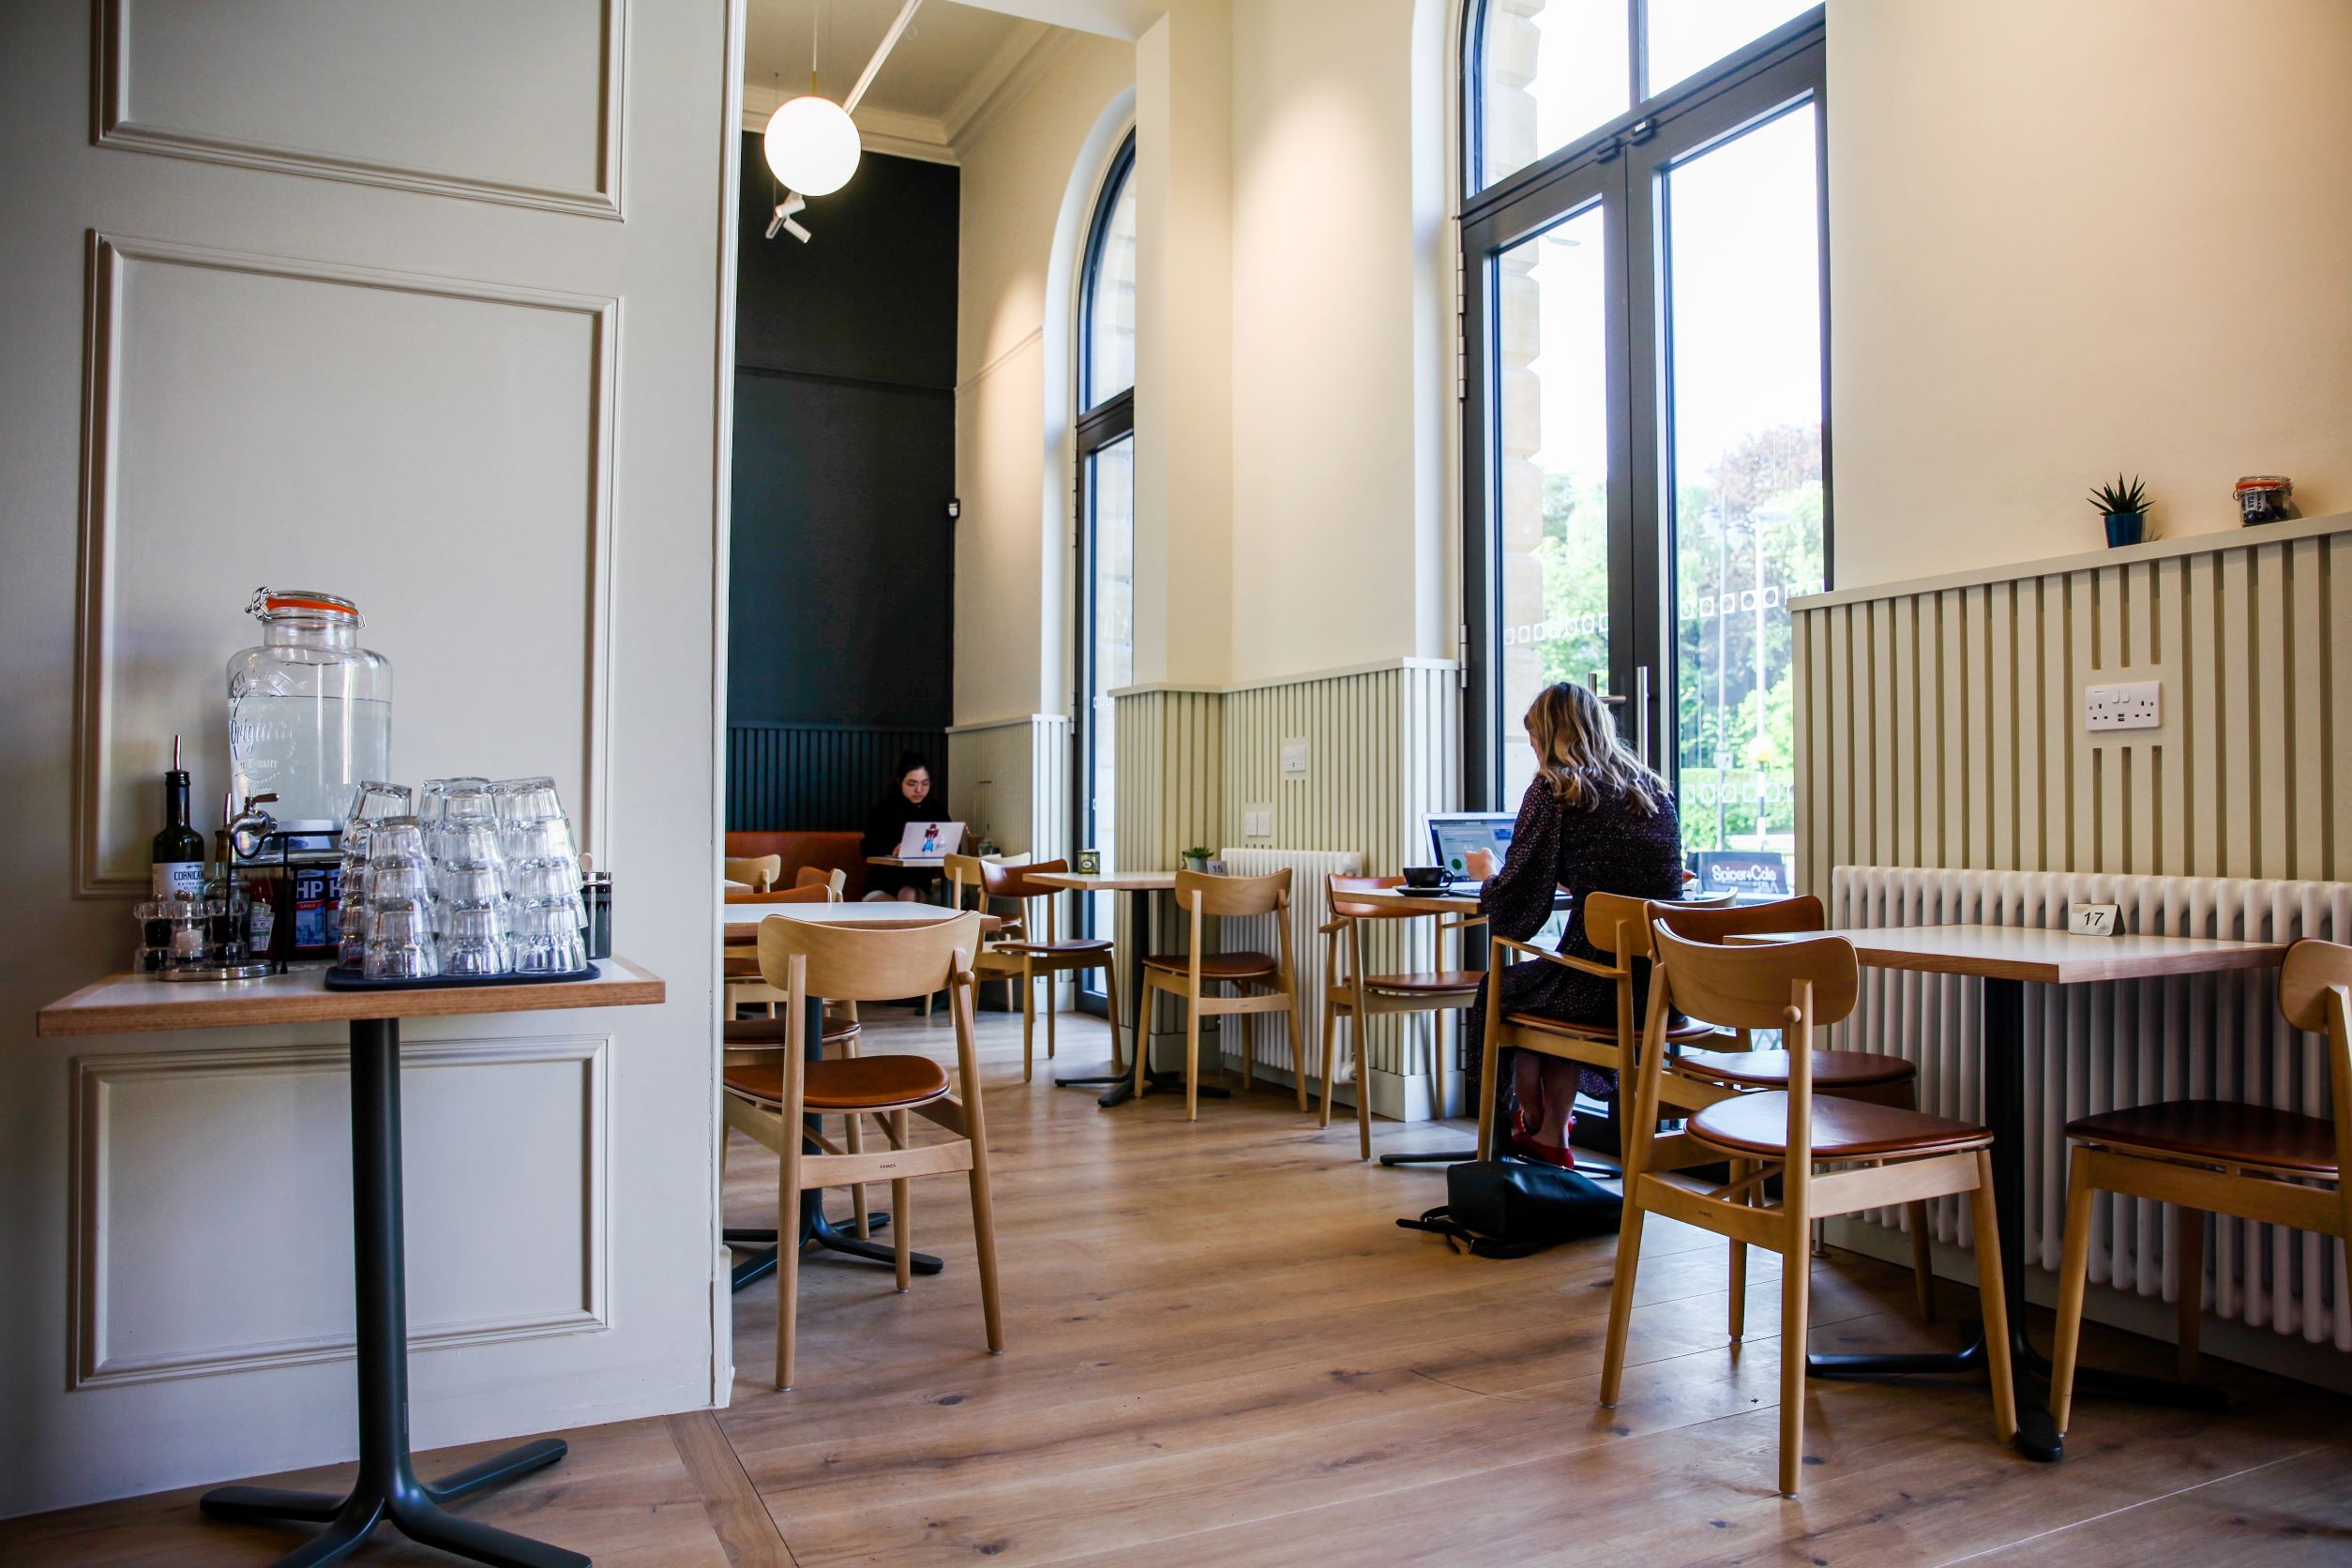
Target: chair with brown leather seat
column 830, row 877
column 1852, row 1074
column 2257, row 1163
column 757, row 872
column 965, row 891
column 739, row 966
column 1887, row 1154
column 1050, row 958
column 1351, row 993
column 772, row 1100
column 1262, row 983
column 1618, row 926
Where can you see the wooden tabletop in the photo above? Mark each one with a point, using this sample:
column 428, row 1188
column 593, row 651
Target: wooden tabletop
column 2045, row 956
column 134, row 1003
column 1413, row 903
column 892, row 914
column 1108, row 881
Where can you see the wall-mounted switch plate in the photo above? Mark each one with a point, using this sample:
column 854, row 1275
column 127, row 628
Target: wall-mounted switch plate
column 1257, row 823
column 1294, row 757
column 2123, row 705
column 2093, row 920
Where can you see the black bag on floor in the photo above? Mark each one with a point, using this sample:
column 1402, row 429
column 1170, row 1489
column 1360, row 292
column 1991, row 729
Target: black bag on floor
column 1512, row 1207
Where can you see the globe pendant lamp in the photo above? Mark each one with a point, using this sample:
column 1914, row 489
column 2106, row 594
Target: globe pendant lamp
column 812, row 145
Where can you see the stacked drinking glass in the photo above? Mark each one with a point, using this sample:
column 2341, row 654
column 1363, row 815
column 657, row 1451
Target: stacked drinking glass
column 484, row 880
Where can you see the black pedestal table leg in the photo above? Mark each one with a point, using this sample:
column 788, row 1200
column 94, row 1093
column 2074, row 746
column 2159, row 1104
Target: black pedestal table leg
column 388, row 1487
column 814, row 1225
column 2005, row 1113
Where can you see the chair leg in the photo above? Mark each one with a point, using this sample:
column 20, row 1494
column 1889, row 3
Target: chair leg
column 1739, row 1322
column 787, row 1253
column 1028, row 1024
column 1192, row 1056
column 1143, row 1035
column 1249, row 1048
column 1330, row 1049
column 1923, row 1262
column 1489, row 1054
column 854, row 1139
column 1795, row 1283
column 902, row 1209
column 1363, row 1086
column 1621, row 1293
column 984, row 1243
column 1110, row 1009
column 1298, row 1048
column 1053, row 1007
column 2073, row 1274
column 2189, row 1246
column 1985, row 1220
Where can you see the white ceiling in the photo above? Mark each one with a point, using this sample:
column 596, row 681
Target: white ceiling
column 948, row 67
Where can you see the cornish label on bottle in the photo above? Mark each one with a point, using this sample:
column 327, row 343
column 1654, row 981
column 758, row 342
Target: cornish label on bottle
column 178, row 879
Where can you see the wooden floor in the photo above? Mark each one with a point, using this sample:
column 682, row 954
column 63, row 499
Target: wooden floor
column 1221, row 1350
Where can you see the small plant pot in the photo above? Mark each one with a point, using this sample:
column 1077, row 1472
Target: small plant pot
column 1197, row 862
column 2126, row 528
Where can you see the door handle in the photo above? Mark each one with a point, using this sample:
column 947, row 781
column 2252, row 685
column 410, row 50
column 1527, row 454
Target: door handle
column 1594, row 683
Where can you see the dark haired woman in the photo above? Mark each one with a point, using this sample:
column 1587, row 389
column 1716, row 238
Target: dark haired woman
column 910, row 792
column 1594, row 820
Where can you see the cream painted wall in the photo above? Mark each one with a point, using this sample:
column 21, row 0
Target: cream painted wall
column 1339, row 374
column 2070, row 238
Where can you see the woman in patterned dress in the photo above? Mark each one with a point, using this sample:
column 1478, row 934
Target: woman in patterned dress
column 1594, row 820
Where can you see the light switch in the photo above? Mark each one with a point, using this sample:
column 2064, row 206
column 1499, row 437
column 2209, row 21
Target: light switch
column 2125, row 706
column 1257, row 823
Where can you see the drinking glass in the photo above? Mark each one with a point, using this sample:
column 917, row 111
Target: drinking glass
column 400, row 944
column 473, row 940
column 547, row 938
column 372, row 800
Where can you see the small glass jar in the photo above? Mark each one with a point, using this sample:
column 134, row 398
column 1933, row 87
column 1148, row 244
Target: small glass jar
column 152, row 953
column 2264, row 498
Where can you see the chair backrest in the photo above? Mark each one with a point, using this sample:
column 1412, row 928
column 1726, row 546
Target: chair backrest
column 1013, row 881
column 814, row 893
column 758, row 872
column 2315, row 971
column 963, row 872
column 1202, row 893
column 1618, row 924
column 868, row 963
column 1717, row 923
column 1337, row 888
column 1752, row 985
column 830, row 877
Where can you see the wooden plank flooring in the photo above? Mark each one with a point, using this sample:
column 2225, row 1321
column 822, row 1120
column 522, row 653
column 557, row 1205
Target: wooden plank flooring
column 1221, row 1350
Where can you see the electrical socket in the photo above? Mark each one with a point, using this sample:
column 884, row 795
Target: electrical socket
column 2123, row 705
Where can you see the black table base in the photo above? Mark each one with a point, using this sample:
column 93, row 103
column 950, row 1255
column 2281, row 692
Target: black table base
column 2038, row 1438
column 387, row 1489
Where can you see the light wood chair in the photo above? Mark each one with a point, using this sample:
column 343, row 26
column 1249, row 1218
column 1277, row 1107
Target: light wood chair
column 769, row 1101
column 967, row 889
column 1619, row 927
column 739, row 966
column 758, row 872
column 1263, row 984
column 1350, row 993
column 1047, row 959
column 1888, row 1156
column 1853, row 1074
column 2210, row 1156
column 831, row 878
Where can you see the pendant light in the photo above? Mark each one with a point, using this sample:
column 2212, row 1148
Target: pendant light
column 811, row 142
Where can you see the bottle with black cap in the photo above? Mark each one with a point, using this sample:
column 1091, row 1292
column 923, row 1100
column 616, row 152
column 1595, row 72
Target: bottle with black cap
column 178, row 860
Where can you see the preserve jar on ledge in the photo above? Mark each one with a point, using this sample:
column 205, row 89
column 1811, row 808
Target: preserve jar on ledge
column 310, row 710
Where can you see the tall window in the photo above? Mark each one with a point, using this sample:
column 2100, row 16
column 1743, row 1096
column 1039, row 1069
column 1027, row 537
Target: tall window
column 1106, row 514
column 1644, row 323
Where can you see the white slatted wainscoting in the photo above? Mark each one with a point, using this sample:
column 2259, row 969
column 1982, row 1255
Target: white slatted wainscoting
column 2099, row 1046
column 1310, row 907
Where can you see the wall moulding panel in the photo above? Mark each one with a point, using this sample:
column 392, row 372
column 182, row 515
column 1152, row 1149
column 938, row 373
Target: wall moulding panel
column 303, row 89
column 265, row 1133
column 1939, row 723
column 252, row 419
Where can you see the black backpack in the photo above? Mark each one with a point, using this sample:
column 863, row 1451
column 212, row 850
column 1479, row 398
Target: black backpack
column 1512, row 1207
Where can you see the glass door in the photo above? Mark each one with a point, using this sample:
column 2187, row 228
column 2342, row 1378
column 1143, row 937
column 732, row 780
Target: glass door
column 1107, row 662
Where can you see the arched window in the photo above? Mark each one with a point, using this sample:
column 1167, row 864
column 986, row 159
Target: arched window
column 1105, row 512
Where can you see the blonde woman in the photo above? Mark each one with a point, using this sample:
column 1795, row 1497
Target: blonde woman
column 1594, row 820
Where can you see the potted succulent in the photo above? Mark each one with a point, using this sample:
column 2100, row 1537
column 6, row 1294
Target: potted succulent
column 2125, row 508
column 1196, row 858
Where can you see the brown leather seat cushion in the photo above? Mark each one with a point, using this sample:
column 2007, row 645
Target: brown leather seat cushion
column 1769, row 1069
column 1842, row 1129
column 745, row 968
column 1689, row 1029
column 1429, row 980
column 1216, row 966
column 860, row 1083
column 778, row 1032
column 2219, row 1131
column 1057, row 949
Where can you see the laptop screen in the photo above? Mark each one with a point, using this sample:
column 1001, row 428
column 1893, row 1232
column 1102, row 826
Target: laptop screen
column 930, row 841
column 1454, row 834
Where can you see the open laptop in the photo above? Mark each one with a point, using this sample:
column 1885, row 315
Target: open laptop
column 1454, row 834
column 930, row 841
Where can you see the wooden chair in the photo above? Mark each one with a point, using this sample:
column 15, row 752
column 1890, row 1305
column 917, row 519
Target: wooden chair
column 739, row 966
column 769, row 1101
column 1852, row 1074
column 1350, row 992
column 831, row 878
column 967, row 889
column 758, row 872
column 1619, row 927
column 1890, row 1155
column 2210, row 1156
column 1051, row 958
column 1271, row 984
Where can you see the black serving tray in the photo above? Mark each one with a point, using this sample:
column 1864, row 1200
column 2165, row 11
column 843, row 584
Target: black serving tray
column 343, row 977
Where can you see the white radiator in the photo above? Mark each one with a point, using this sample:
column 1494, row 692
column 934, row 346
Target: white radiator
column 2099, row 1046
column 1309, row 908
